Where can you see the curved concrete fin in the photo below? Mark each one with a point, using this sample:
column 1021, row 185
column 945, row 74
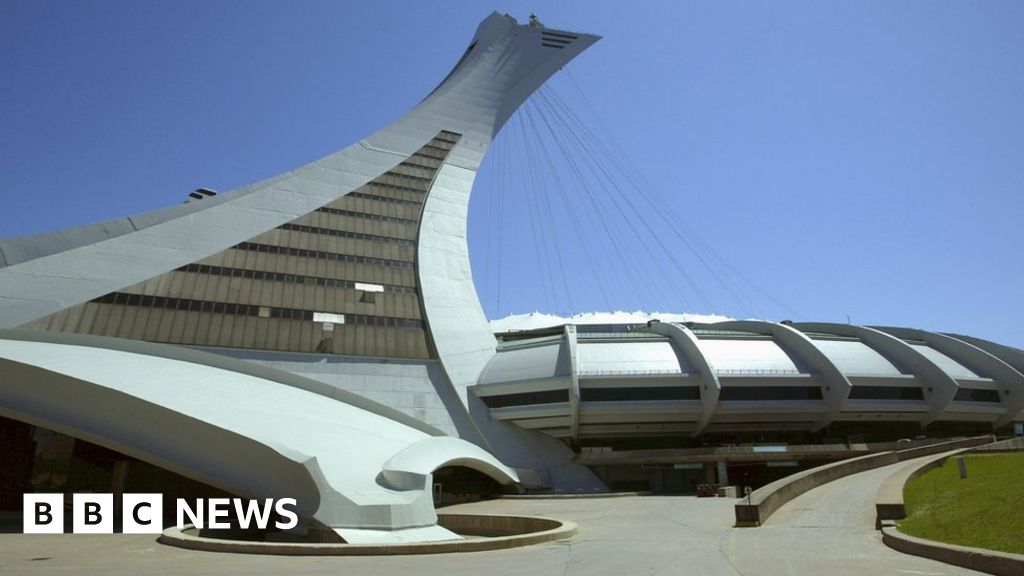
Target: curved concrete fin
column 835, row 388
column 223, row 362
column 1011, row 389
column 236, row 431
column 115, row 419
column 940, row 389
column 421, row 459
column 710, row 388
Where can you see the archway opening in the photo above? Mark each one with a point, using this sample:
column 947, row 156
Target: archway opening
column 39, row 460
column 458, row 484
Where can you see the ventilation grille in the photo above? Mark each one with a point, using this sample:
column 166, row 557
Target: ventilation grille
column 558, row 40
column 199, row 194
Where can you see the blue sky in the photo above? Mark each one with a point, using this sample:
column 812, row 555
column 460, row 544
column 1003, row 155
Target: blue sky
column 852, row 159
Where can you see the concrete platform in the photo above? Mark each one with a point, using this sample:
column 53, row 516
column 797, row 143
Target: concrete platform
column 479, row 532
column 826, row 531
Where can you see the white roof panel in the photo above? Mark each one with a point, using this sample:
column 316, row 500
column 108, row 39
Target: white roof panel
column 530, row 363
column 745, row 356
column 947, row 364
column 854, row 357
column 629, row 357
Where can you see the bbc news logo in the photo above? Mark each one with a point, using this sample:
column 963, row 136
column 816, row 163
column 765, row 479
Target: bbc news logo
column 143, row 513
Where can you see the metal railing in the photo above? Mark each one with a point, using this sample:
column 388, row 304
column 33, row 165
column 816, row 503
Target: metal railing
column 632, row 373
column 761, row 372
column 762, row 450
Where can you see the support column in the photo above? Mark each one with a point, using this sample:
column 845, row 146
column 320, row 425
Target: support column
column 710, row 387
column 723, row 473
column 937, row 387
column 835, row 388
column 574, row 383
column 709, row 473
column 117, row 483
column 1011, row 382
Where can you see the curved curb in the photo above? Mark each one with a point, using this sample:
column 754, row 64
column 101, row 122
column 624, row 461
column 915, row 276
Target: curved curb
column 555, row 530
column 754, row 510
column 990, row 561
column 889, row 503
column 573, row 495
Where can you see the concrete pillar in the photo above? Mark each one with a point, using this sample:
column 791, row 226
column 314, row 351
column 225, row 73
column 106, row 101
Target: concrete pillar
column 118, row 478
column 117, row 483
column 574, row 383
column 657, row 479
column 709, row 473
column 723, row 474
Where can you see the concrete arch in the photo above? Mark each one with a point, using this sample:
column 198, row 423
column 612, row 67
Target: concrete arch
column 132, row 426
column 1013, row 357
column 942, row 387
column 411, row 467
column 710, row 388
column 243, row 433
column 836, row 387
column 194, row 356
column 1011, row 389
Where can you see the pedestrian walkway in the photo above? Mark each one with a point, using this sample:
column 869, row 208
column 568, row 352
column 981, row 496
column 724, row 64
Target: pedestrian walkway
column 827, row 531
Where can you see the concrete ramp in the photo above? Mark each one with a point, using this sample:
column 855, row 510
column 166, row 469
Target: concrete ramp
column 828, row 530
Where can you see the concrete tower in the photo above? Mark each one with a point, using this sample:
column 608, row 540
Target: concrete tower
column 352, row 270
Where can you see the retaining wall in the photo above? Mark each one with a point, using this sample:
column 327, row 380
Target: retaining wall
column 889, row 500
column 990, row 561
column 766, row 500
column 500, row 531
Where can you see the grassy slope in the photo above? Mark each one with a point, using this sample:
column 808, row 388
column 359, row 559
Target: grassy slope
column 986, row 510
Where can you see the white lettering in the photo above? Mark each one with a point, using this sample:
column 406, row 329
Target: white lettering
column 142, row 513
column 195, row 517
column 93, row 514
column 282, row 511
column 219, row 509
column 252, row 510
column 42, row 513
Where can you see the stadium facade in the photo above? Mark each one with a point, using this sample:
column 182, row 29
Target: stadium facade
column 318, row 336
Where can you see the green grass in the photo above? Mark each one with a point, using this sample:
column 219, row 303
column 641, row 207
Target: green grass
column 985, row 510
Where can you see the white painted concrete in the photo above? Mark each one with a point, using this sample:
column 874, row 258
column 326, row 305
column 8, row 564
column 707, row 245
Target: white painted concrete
column 252, row 436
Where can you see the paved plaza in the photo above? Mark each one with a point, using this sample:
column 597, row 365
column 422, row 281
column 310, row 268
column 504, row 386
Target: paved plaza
column 828, row 530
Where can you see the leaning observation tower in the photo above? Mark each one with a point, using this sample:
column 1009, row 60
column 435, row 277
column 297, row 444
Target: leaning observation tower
column 317, row 335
